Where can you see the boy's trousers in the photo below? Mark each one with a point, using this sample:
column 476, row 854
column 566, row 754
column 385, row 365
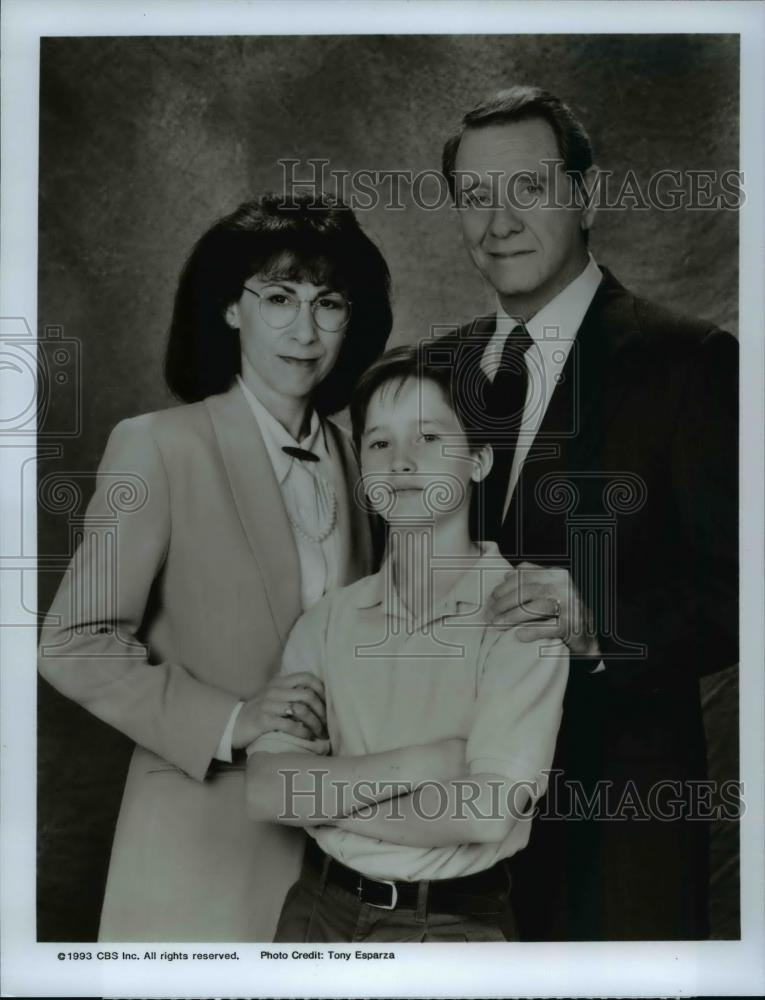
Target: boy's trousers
column 316, row 910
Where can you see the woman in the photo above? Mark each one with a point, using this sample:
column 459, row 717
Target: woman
column 170, row 621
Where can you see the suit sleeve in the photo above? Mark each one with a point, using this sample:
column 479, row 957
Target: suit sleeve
column 90, row 647
column 688, row 619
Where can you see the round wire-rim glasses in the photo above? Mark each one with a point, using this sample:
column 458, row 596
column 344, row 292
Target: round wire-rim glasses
column 279, row 315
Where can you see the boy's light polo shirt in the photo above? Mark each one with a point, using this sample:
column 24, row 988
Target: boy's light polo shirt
column 390, row 683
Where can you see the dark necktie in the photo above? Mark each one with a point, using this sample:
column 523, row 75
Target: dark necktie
column 505, row 404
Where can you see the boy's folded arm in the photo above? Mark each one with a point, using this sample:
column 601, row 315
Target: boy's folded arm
column 280, row 764
column 481, row 809
column 296, row 781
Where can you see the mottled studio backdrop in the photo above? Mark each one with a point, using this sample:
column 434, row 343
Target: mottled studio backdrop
column 145, row 141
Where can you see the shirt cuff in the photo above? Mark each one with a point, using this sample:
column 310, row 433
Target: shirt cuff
column 224, row 751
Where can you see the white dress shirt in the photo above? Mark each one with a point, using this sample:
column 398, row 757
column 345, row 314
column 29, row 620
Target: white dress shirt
column 553, row 330
column 319, row 561
column 297, row 481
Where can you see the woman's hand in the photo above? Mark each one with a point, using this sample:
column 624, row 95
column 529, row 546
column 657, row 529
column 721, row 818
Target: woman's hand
column 292, row 703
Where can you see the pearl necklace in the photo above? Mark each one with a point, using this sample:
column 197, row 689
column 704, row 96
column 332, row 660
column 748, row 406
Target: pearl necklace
column 327, row 509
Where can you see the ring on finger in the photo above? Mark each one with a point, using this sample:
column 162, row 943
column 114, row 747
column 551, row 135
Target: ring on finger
column 289, row 711
column 556, row 612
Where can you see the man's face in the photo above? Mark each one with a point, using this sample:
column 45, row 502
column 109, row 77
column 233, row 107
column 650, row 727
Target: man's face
column 522, row 224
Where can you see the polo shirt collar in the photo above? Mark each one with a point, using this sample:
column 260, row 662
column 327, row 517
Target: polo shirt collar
column 469, row 592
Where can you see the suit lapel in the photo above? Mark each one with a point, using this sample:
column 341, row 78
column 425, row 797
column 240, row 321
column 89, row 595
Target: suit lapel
column 570, row 437
column 608, row 332
column 259, row 503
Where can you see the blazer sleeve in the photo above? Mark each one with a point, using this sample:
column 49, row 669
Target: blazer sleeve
column 689, row 619
column 90, row 648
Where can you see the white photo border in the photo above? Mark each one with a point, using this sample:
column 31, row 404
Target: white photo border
column 593, row 969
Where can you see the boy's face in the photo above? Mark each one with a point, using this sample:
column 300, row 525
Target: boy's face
column 415, row 457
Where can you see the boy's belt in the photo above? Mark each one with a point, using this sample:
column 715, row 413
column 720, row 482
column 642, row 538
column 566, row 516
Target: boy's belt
column 482, row 893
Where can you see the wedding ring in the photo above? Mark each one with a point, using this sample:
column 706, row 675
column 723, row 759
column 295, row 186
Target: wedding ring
column 289, row 712
column 556, row 613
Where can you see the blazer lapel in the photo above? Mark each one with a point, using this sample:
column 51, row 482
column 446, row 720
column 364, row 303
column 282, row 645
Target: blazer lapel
column 259, row 503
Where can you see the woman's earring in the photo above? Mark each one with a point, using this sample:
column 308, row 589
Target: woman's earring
column 231, row 317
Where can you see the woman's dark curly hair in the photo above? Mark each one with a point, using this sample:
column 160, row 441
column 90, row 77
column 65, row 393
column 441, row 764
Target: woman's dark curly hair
column 302, row 237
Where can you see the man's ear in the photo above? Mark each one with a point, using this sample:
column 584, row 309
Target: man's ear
column 588, row 193
column 231, row 316
column 483, row 459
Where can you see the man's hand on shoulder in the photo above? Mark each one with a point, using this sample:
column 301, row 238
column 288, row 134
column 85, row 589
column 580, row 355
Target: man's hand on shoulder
column 543, row 603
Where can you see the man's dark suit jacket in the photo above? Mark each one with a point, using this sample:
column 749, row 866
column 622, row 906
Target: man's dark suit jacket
column 631, row 484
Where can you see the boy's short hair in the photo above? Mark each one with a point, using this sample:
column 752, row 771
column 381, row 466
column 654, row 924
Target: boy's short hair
column 464, row 390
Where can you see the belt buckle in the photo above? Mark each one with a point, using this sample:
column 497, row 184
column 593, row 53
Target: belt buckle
column 379, row 906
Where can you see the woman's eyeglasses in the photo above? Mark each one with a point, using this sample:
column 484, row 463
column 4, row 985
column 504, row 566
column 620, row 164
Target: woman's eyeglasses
column 279, row 308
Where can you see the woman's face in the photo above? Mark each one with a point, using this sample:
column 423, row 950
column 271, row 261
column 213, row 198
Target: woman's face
column 287, row 349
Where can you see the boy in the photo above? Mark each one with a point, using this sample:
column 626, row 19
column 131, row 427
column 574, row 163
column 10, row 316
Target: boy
column 441, row 726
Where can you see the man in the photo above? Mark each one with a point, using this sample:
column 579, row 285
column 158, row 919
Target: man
column 616, row 491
